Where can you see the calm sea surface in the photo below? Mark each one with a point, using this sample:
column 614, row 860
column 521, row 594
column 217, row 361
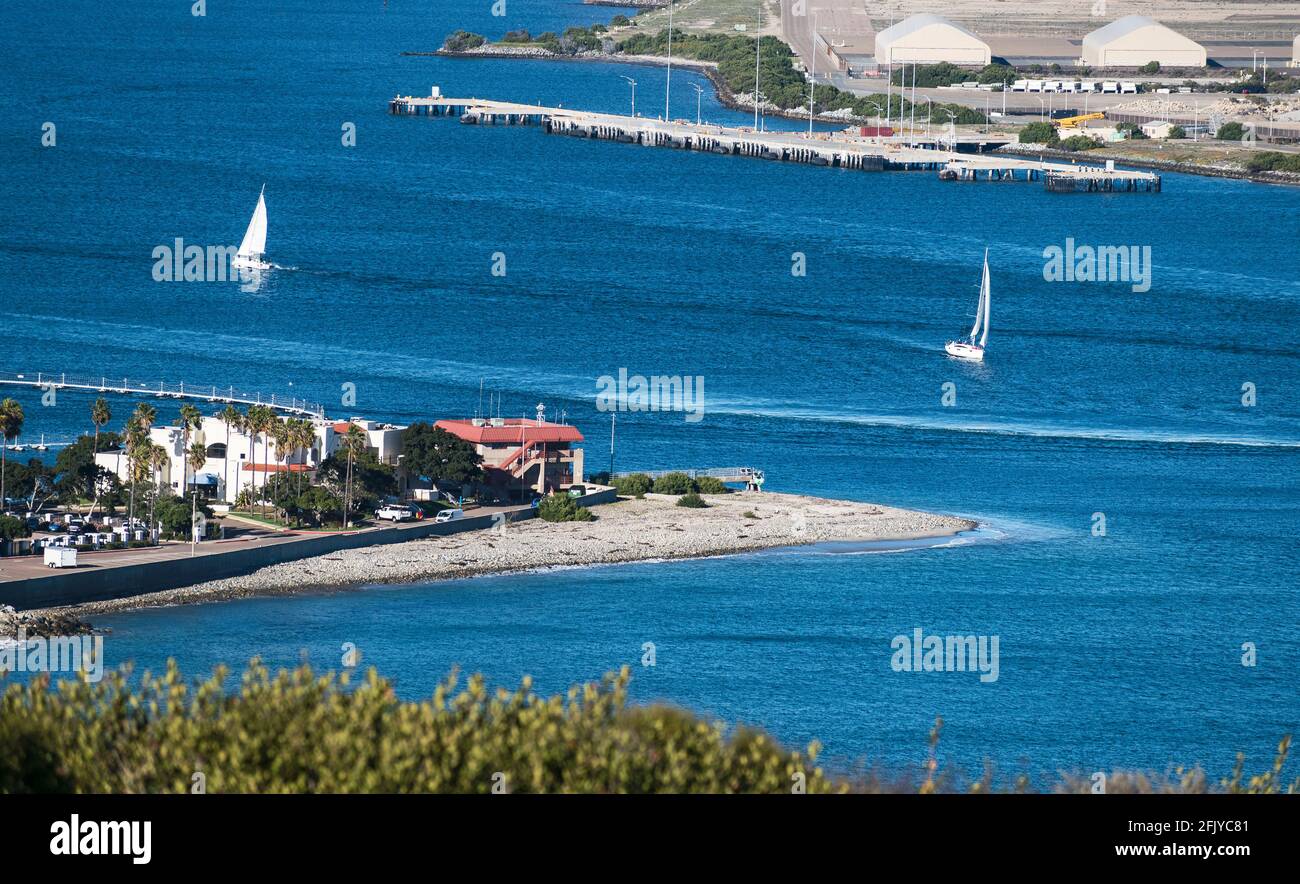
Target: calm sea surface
column 1115, row 650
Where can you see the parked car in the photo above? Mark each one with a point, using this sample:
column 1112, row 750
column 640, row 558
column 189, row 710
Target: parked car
column 449, row 515
column 396, row 512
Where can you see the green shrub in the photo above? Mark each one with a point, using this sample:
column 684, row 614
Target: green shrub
column 559, row 507
column 710, row 485
column 1230, row 132
column 459, row 41
column 1151, row 67
column 1039, row 133
column 1273, row 161
column 12, row 528
column 1078, row 142
column 692, row 500
column 1177, row 132
column 635, row 485
column 674, row 483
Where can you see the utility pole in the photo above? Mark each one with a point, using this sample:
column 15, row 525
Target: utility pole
column 194, row 521
column 611, row 444
column 812, row 87
column 758, row 57
column 668, row 86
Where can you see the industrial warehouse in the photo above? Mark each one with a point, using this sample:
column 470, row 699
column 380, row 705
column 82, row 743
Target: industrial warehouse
column 928, row 39
column 1136, row 40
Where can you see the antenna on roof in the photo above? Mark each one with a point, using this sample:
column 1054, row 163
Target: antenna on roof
column 479, row 411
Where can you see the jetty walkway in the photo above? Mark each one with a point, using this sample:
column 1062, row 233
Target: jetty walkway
column 163, row 390
column 833, row 149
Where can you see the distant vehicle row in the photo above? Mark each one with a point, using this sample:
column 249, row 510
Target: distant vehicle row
column 1105, row 86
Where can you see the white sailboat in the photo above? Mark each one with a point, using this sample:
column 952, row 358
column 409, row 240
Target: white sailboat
column 968, row 347
column 254, row 243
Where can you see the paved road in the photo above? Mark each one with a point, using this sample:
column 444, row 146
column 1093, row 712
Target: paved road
column 245, row 535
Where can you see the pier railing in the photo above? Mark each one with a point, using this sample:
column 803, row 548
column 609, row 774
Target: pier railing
column 214, row 393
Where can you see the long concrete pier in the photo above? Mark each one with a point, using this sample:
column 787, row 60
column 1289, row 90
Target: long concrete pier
column 833, row 149
column 162, row 390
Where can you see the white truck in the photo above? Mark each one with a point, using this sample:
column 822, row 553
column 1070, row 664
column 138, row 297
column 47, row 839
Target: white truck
column 60, row 557
column 396, row 512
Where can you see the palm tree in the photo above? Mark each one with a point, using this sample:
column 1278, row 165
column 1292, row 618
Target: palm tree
column 11, row 424
column 306, row 436
column 231, row 417
column 191, row 419
column 100, row 414
column 282, row 434
column 197, row 455
column 157, row 458
column 267, row 421
column 354, row 442
column 137, row 437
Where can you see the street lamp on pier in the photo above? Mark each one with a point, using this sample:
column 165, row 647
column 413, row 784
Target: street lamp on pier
column 633, row 83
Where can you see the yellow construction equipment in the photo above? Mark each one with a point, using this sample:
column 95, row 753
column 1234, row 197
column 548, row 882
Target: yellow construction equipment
column 1073, row 122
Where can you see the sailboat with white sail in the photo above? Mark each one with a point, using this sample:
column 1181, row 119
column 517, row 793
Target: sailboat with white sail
column 969, row 347
column 253, row 247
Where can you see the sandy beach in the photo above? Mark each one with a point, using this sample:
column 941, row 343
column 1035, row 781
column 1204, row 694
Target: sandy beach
column 631, row 530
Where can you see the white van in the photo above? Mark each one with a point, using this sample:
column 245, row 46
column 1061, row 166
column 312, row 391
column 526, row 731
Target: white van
column 449, row 515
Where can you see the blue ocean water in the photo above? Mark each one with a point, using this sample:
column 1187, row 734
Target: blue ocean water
column 1122, row 650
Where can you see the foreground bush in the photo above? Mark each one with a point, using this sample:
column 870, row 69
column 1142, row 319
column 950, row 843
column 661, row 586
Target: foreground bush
column 692, row 500
column 303, row 732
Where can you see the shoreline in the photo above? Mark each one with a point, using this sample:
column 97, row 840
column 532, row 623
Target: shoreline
column 709, row 69
column 653, row 529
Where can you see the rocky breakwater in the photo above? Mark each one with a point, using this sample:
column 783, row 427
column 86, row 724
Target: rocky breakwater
column 652, row 528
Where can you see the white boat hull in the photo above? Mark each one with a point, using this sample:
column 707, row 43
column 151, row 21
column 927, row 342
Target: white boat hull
column 242, row 262
column 961, row 350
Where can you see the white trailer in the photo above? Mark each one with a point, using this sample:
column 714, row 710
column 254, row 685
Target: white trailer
column 60, row 557
column 1128, row 88
column 1088, row 86
column 1109, row 87
column 1035, row 86
column 1020, row 86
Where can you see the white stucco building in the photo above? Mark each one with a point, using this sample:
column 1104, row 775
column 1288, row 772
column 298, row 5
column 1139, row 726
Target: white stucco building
column 233, row 464
column 1135, row 40
column 929, row 39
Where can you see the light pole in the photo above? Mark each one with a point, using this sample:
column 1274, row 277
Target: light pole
column 929, row 112
column 668, row 86
column 699, row 98
column 1042, row 110
column 633, row 82
column 194, row 521
column 758, row 58
column 812, row 85
column 877, row 107
column 952, row 128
